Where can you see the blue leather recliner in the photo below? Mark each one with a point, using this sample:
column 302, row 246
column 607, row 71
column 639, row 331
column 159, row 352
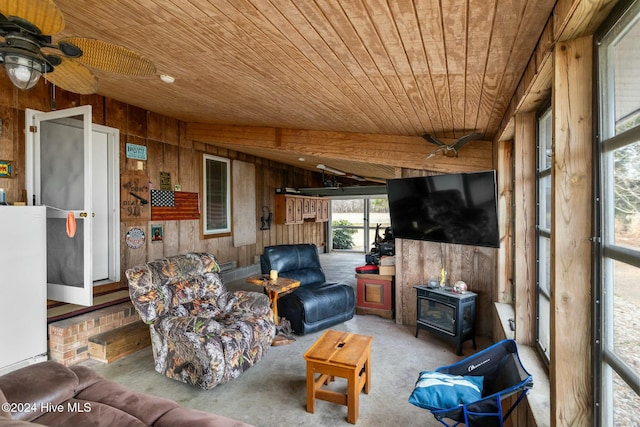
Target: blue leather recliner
column 316, row 304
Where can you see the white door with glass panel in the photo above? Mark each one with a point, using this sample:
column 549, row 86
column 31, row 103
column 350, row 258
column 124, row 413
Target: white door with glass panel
column 72, row 169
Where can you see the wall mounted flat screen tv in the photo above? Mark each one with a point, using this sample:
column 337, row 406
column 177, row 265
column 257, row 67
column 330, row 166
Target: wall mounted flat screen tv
column 451, row 208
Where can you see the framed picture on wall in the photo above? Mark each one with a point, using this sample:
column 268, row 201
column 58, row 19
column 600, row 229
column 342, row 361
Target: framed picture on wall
column 156, row 233
column 5, row 169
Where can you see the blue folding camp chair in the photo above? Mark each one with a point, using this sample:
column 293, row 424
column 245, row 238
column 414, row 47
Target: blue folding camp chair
column 504, row 376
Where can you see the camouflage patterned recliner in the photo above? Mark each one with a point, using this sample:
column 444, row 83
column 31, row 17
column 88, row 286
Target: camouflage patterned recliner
column 201, row 333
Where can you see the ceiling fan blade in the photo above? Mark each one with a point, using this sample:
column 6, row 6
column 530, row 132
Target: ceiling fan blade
column 467, row 138
column 44, row 14
column 72, row 76
column 110, row 57
column 433, row 140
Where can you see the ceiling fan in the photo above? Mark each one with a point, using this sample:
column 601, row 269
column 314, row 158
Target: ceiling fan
column 27, row 51
column 450, row 150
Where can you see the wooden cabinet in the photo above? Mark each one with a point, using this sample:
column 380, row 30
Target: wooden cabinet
column 322, row 210
column 292, row 209
column 308, row 208
column 305, row 207
column 288, row 210
column 298, row 215
column 312, row 208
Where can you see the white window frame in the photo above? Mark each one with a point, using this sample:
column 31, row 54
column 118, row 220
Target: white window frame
column 226, row 229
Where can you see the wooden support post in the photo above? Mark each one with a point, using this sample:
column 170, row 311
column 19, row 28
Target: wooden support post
column 571, row 259
column 504, row 274
column 525, row 227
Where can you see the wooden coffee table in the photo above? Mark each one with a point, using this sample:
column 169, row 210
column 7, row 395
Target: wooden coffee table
column 339, row 354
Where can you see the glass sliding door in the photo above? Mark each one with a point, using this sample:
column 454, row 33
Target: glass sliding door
column 379, row 220
column 354, row 222
column 348, row 224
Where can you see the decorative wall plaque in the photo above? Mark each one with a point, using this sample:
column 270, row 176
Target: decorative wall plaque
column 165, row 181
column 134, row 196
column 135, row 238
column 135, row 151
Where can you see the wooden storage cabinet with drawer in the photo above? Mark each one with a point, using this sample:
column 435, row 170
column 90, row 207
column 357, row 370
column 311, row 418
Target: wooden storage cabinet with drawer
column 375, row 294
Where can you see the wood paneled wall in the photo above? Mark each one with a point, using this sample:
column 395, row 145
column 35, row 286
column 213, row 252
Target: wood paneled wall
column 182, row 158
column 167, row 151
column 417, row 262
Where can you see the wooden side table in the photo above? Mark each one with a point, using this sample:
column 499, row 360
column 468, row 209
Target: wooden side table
column 275, row 288
column 339, row 354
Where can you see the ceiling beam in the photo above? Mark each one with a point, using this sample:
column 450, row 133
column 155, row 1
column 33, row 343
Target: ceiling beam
column 390, row 151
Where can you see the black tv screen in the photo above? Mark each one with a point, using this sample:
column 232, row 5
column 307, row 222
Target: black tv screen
column 451, row 208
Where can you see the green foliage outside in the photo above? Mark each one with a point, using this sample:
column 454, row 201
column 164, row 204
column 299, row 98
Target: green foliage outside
column 342, row 237
column 379, row 205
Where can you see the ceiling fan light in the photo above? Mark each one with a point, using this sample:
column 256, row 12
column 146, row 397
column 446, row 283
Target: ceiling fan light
column 23, row 72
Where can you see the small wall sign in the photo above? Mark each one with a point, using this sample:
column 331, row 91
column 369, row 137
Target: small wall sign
column 5, row 169
column 135, row 151
column 165, row 181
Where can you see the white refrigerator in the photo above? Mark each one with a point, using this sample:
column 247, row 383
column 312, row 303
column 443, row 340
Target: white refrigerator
column 23, row 286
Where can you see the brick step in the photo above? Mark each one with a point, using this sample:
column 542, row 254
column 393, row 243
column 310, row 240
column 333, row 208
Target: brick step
column 69, row 338
column 115, row 344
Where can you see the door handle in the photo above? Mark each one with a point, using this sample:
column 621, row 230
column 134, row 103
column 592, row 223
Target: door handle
column 83, row 214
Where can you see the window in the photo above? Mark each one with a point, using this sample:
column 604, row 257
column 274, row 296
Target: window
column 543, row 232
column 216, row 195
column 618, row 267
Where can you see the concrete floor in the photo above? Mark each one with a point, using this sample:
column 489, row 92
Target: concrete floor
column 273, row 392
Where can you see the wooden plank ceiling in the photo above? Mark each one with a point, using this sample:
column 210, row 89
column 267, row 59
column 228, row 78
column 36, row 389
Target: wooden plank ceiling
column 399, row 67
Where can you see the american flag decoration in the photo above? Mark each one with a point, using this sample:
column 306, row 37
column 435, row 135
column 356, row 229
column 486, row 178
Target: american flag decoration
column 174, row 205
